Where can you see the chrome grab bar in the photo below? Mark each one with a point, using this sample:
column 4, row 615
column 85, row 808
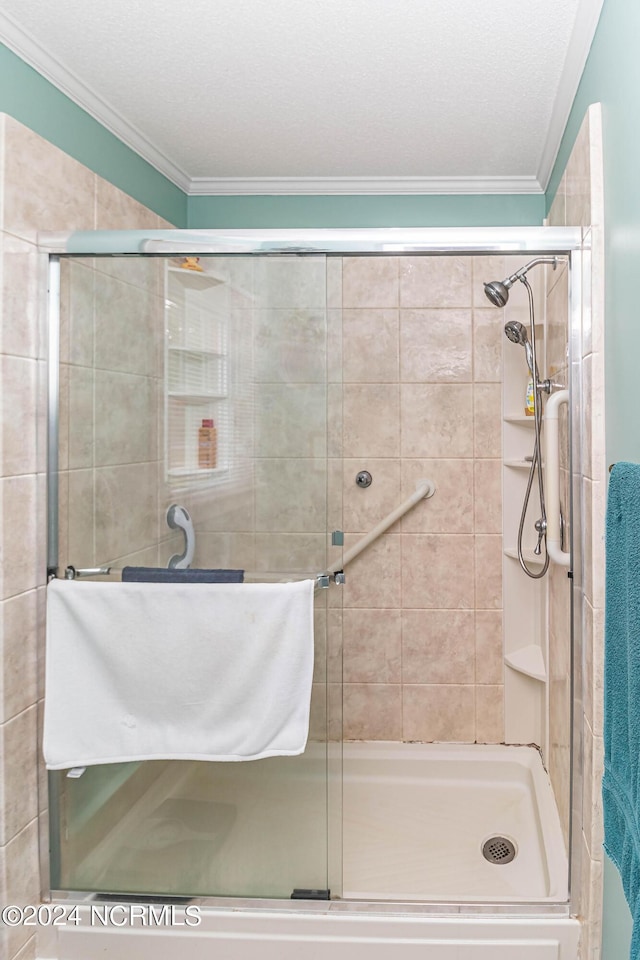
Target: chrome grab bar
column 552, row 476
column 424, row 490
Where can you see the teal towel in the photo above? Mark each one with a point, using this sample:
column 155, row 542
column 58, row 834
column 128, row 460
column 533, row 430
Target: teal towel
column 621, row 782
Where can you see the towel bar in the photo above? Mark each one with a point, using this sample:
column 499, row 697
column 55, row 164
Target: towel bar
column 74, row 573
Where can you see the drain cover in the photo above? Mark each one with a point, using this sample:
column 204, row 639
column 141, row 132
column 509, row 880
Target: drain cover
column 498, row 850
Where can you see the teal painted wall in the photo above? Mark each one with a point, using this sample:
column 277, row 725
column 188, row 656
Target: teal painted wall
column 366, row 211
column 39, row 105
column 616, row 921
column 612, row 77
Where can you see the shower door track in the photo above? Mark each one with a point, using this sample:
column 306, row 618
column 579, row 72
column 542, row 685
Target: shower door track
column 532, row 908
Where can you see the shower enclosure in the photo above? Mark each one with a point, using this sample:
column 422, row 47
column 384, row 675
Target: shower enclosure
column 317, row 356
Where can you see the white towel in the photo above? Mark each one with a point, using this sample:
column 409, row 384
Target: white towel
column 146, row 671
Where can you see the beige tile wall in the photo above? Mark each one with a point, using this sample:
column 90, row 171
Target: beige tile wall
column 579, row 202
column 290, row 414
column 413, row 359
column 421, row 397
column 41, row 188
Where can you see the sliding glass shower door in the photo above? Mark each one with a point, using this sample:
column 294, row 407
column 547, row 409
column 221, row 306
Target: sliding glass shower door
column 195, row 430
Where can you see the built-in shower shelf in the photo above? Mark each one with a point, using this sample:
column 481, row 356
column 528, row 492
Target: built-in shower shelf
column 521, row 418
column 529, row 556
column 195, row 351
column 194, row 278
column 196, row 381
column 518, row 464
column 180, row 395
column 528, row 660
column 197, row 471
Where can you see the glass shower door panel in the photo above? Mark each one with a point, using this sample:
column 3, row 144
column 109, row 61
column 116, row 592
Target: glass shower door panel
column 240, row 343
column 111, row 375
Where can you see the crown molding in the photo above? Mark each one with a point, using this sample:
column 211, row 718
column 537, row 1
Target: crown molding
column 14, row 37
column 582, row 35
column 381, row 186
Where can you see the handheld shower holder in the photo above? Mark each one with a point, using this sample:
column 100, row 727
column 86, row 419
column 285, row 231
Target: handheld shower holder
column 548, row 386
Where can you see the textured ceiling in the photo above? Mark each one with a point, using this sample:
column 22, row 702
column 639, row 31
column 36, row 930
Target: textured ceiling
column 318, row 88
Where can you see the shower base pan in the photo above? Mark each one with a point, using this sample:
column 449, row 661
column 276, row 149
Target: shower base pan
column 450, row 822
column 416, row 818
column 421, row 822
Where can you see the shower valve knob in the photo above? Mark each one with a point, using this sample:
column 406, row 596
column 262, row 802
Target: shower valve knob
column 541, row 528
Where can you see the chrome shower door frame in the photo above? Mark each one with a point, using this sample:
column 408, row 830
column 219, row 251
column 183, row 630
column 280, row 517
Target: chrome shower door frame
column 477, row 241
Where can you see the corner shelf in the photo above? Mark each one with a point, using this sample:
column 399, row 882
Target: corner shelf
column 197, row 471
column 520, row 418
column 528, row 555
column 518, row 464
column 195, row 351
column 525, row 640
column 528, row 660
column 195, row 397
column 196, row 279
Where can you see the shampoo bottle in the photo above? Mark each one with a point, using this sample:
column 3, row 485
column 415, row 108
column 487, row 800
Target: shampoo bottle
column 529, row 403
column 207, row 445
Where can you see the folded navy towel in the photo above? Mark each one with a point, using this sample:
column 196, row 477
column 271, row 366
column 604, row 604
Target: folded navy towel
column 165, row 575
column 621, row 782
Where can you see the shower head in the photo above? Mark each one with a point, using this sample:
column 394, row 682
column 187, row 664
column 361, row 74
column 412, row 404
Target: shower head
column 498, row 291
column 517, row 333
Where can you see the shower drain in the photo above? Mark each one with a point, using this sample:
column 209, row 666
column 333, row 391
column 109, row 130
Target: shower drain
column 498, row 850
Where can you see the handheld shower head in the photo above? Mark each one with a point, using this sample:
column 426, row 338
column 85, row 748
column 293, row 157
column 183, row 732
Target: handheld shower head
column 517, row 333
